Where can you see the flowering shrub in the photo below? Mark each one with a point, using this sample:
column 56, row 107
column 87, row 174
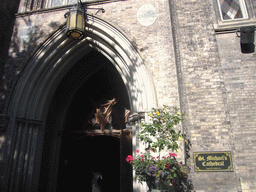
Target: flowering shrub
column 161, row 171
column 161, row 132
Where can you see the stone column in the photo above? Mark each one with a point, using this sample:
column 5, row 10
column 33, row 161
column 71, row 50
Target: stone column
column 134, row 121
column 21, row 159
column 4, row 120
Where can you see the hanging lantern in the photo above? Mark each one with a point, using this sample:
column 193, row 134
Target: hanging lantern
column 76, row 18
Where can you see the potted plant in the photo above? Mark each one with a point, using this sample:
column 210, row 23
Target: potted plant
column 157, row 165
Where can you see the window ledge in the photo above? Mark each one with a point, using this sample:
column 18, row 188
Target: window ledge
column 232, row 26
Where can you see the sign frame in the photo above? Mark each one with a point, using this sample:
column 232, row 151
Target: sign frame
column 217, row 161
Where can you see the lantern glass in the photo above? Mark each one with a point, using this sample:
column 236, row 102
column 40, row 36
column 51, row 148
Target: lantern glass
column 79, row 21
column 72, row 20
column 76, row 23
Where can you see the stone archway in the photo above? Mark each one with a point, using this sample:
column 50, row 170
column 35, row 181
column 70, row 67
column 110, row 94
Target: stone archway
column 39, row 81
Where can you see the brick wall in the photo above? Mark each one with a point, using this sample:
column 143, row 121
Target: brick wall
column 240, row 82
column 207, row 121
column 218, row 82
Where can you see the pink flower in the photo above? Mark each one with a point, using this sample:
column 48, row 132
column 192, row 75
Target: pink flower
column 142, row 156
column 178, row 163
column 151, row 150
column 129, row 158
column 168, row 165
column 158, row 157
column 164, row 157
column 173, row 154
column 152, row 157
column 142, row 159
column 137, row 151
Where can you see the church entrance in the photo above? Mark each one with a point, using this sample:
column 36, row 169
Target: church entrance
column 83, row 136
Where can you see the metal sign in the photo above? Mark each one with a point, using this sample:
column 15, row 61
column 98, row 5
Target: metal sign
column 213, row 161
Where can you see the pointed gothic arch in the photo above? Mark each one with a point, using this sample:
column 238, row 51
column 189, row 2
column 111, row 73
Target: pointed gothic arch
column 39, row 80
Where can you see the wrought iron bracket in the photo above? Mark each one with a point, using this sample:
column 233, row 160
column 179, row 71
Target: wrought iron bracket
column 83, row 5
column 99, row 9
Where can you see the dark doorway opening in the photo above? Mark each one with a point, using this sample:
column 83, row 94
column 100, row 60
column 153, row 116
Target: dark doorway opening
column 80, row 158
column 69, row 156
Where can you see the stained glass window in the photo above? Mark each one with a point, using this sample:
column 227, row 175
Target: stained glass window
column 232, row 9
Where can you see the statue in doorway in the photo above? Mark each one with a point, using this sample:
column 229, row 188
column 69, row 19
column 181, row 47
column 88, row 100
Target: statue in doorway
column 95, row 186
